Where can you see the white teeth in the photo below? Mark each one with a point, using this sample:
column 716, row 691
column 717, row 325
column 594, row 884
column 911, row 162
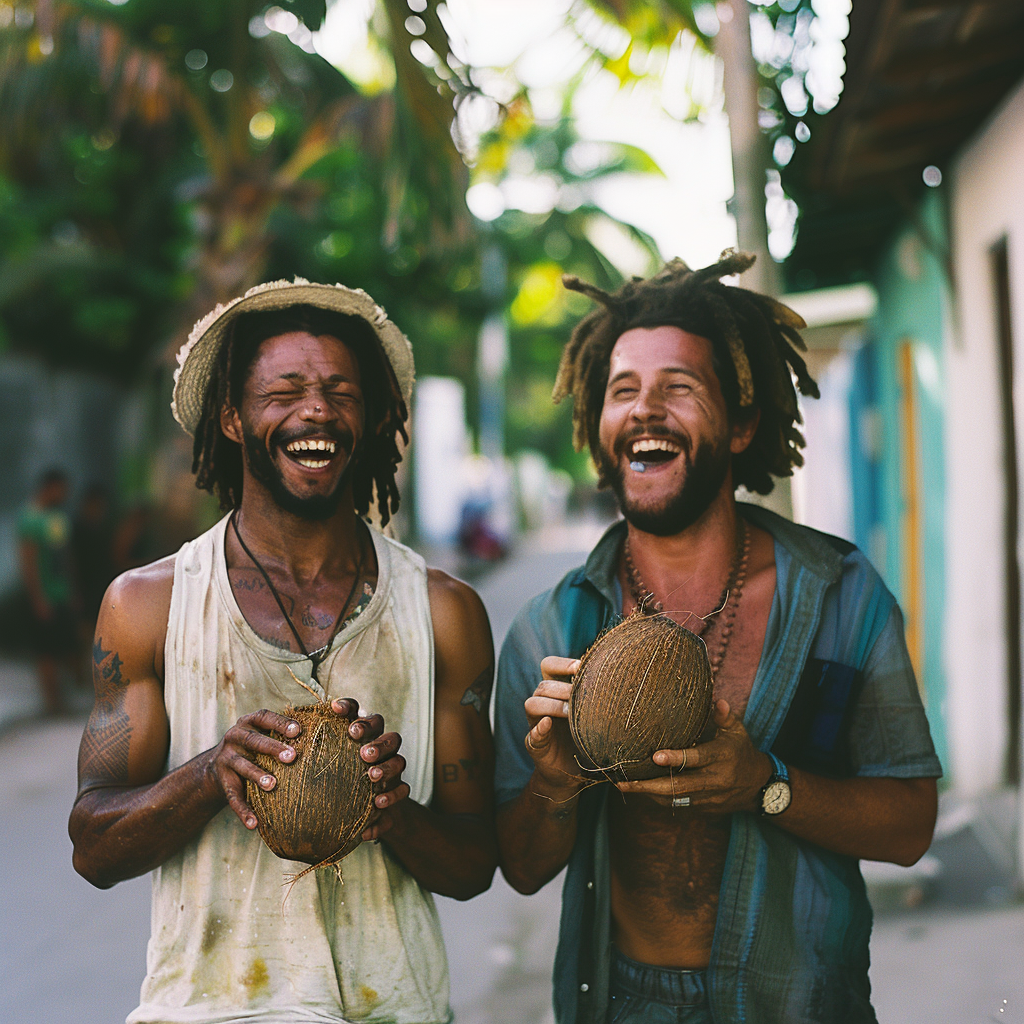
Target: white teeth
column 314, row 463
column 651, row 444
column 312, row 446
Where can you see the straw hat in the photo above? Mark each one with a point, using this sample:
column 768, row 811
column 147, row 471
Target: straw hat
column 198, row 355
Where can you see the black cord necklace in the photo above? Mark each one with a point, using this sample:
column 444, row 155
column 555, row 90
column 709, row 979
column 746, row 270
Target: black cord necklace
column 316, row 657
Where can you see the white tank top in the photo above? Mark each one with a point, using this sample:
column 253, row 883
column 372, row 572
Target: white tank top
column 230, row 941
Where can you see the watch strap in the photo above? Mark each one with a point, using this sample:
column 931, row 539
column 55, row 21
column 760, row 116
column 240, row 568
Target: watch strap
column 781, row 772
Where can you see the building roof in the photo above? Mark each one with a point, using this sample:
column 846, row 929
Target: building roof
column 922, row 77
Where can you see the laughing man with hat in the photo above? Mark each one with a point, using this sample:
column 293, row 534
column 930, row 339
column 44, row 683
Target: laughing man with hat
column 296, row 396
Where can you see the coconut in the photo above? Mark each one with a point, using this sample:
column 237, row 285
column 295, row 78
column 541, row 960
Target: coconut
column 323, row 800
column 644, row 685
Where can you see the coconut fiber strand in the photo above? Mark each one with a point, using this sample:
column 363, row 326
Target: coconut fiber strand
column 643, row 686
column 323, row 799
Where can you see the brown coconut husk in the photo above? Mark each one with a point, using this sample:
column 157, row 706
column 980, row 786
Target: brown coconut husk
column 644, row 685
column 323, row 800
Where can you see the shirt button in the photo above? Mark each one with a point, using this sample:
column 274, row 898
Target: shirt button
column 584, row 987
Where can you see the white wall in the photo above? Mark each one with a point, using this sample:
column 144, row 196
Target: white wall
column 987, row 190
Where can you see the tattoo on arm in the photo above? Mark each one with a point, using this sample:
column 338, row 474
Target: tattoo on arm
column 467, row 768
column 107, row 737
column 479, row 694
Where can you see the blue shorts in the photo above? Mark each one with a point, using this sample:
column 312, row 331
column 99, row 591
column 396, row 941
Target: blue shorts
column 642, row 994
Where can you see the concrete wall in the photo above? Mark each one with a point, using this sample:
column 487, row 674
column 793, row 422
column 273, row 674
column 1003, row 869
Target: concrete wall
column 987, row 203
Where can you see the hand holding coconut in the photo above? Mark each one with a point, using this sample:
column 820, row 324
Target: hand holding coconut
column 246, row 751
column 721, row 776
column 549, row 741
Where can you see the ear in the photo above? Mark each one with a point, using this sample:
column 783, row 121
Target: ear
column 231, row 424
column 743, row 432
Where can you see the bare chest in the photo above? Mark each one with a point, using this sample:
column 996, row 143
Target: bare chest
column 284, row 615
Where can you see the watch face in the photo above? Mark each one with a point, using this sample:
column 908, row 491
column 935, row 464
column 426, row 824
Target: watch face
column 776, row 797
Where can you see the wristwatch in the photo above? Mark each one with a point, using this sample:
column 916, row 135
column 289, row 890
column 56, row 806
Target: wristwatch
column 776, row 795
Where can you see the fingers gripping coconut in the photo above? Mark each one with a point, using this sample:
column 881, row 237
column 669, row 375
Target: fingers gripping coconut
column 311, row 780
column 549, row 740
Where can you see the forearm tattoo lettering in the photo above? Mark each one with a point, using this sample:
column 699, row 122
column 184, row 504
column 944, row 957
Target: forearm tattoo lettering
column 107, row 737
column 466, row 768
column 479, row 694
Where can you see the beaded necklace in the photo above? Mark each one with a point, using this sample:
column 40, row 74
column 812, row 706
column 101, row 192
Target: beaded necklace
column 728, row 601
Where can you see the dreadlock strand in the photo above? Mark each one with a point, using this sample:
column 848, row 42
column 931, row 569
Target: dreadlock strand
column 726, row 322
column 573, row 283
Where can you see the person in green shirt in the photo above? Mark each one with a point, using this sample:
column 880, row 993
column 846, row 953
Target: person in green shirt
column 44, row 543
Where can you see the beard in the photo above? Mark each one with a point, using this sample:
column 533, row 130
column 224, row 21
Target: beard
column 314, row 508
column 706, row 470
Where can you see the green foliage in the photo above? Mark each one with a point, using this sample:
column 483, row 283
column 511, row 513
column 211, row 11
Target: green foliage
column 137, row 188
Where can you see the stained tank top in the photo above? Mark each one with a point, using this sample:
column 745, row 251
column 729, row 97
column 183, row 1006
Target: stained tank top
column 230, row 940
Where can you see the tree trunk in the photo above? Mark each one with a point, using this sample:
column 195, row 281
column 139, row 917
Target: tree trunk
column 749, row 144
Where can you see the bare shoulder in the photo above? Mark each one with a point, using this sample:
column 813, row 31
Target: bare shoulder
column 135, row 609
column 450, row 596
column 462, row 632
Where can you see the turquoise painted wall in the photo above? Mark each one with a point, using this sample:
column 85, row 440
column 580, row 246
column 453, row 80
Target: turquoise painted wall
column 913, row 306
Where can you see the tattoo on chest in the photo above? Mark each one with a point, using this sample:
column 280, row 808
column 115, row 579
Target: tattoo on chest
column 316, row 620
column 107, row 737
column 465, row 768
column 244, row 581
column 281, row 645
column 479, row 694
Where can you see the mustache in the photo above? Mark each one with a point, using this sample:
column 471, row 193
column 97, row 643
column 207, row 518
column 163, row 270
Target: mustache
column 623, row 443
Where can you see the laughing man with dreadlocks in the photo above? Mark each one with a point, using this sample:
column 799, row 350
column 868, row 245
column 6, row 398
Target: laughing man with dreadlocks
column 296, row 396
column 727, row 889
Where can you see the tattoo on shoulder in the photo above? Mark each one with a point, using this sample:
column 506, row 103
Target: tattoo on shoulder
column 479, row 694
column 107, row 737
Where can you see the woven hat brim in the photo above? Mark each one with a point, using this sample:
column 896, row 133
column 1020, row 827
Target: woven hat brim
column 198, row 355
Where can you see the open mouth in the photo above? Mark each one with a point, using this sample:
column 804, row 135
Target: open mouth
column 651, row 451
column 311, row 453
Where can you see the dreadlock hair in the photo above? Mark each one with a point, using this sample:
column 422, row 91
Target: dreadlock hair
column 217, row 461
column 754, row 342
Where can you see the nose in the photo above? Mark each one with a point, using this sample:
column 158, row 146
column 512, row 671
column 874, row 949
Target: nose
column 649, row 405
column 315, row 408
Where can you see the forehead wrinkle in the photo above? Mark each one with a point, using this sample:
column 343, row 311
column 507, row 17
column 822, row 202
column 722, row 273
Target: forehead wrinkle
column 298, row 378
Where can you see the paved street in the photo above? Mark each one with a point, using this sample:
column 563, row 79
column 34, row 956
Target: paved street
column 71, row 953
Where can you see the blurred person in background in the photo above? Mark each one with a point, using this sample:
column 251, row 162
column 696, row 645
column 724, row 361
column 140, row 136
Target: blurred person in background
column 47, row 574
column 296, row 397
column 728, row 888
